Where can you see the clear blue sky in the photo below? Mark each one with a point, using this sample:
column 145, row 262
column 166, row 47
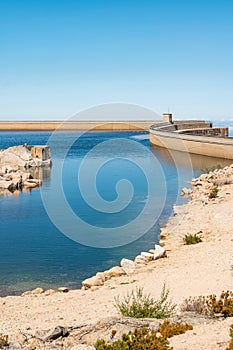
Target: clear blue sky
column 58, row 57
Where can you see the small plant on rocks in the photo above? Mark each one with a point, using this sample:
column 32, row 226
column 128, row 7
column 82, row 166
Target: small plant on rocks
column 231, row 331
column 168, row 329
column 3, row 340
column 144, row 339
column 214, row 192
column 211, row 305
column 192, row 239
column 140, row 305
column 230, row 347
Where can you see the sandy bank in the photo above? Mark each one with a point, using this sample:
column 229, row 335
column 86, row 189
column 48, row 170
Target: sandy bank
column 200, row 269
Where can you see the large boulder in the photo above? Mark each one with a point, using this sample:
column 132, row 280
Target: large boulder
column 10, row 157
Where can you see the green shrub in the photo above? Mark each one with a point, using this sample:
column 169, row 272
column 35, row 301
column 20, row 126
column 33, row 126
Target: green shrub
column 192, row 239
column 138, row 340
column 230, row 347
column 144, row 339
column 231, row 331
column 214, row 192
column 3, row 340
column 223, row 305
column 168, row 329
column 140, row 305
column 211, row 305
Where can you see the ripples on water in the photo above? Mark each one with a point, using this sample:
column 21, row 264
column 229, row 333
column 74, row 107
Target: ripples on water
column 35, row 253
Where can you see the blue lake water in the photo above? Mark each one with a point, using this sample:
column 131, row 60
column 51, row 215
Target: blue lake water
column 34, row 251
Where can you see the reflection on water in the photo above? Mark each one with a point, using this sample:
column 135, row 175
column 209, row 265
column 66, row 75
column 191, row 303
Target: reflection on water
column 35, row 253
column 42, row 173
column 198, row 162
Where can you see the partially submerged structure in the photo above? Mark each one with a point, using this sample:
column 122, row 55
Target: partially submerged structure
column 40, row 152
column 14, row 167
column 25, row 156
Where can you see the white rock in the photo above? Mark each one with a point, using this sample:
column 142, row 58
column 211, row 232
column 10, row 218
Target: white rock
column 140, row 260
column 115, row 271
column 129, row 266
column 92, row 282
column 49, row 292
column 186, row 191
column 37, row 291
column 147, row 256
column 6, row 184
column 30, row 184
column 159, row 252
column 36, row 181
column 33, row 292
column 101, row 275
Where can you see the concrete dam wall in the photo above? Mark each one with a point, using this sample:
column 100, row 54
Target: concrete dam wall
column 193, row 136
column 198, row 137
column 129, row 125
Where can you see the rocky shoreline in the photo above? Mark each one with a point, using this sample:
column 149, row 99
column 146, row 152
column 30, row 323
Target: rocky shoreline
column 15, row 163
column 12, row 180
column 199, row 269
column 200, row 193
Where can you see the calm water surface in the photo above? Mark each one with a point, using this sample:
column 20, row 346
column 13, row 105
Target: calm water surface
column 35, row 253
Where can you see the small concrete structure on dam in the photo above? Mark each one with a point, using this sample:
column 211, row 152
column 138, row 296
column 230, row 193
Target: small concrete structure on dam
column 192, row 136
